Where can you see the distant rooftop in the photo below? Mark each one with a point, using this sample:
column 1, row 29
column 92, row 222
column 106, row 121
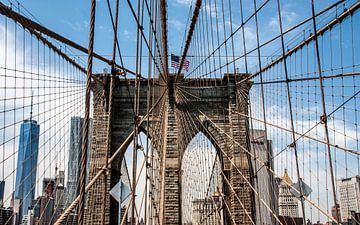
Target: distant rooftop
column 30, row 121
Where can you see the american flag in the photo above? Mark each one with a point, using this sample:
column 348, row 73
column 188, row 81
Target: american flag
column 175, row 62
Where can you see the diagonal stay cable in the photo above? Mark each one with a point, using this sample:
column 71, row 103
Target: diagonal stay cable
column 266, row 165
column 119, row 151
column 7, row 11
column 141, row 28
column 251, row 186
column 247, row 54
column 194, row 20
column 285, row 129
column 320, row 31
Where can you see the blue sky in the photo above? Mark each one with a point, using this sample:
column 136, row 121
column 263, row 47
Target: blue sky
column 71, row 19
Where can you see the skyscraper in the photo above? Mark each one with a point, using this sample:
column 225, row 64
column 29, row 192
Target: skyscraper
column 72, row 187
column 46, row 210
column 288, row 203
column 59, row 195
column 48, row 187
column 2, row 189
column 349, row 189
column 6, row 215
column 264, row 182
column 27, row 164
column 204, row 212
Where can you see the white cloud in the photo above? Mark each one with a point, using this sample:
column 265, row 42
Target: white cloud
column 126, row 33
column 184, row 2
column 78, row 26
column 177, row 24
column 211, row 10
column 57, row 97
column 288, row 18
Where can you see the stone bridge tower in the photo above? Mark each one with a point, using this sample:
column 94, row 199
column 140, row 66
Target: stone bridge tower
column 182, row 110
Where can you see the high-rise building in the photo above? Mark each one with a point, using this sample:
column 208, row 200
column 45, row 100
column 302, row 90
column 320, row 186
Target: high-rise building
column 122, row 214
column 15, row 205
column 204, row 211
column 60, row 178
column 31, row 219
column 288, row 203
column 72, row 187
column 44, row 210
column 59, row 195
column 2, row 190
column 349, row 196
column 277, row 181
column 25, row 220
column 48, row 187
column 264, row 181
column 335, row 212
column 6, row 215
column 72, row 219
column 60, row 189
column 27, row 164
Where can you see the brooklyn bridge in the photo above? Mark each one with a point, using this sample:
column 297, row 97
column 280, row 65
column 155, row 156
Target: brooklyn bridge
column 188, row 112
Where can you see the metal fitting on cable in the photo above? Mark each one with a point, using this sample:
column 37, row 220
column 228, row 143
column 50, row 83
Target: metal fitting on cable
column 117, row 71
column 292, row 145
column 139, row 147
column 137, row 119
column 267, row 163
column 323, row 119
column 105, row 170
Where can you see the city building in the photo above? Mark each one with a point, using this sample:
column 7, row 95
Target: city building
column 60, row 178
column 335, row 212
column 264, row 181
column 15, row 205
column 72, row 187
column 277, row 181
column 291, row 220
column 27, row 164
column 25, row 220
column 355, row 219
column 59, row 203
column 2, row 190
column 46, row 210
column 73, row 173
column 48, row 187
column 6, row 215
column 122, row 215
column 72, row 219
column 204, row 211
column 31, row 219
column 288, row 203
column 349, row 196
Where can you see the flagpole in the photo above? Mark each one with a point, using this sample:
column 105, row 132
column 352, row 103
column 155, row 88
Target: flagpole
column 121, row 198
column 172, row 71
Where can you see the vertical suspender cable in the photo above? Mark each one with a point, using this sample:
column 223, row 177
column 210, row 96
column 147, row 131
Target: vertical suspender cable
column 147, row 177
column 163, row 17
column 136, row 111
column 323, row 118
column 190, row 34
column 290, row 111
column 85, row 136
column 259, row 62
column 110, row 111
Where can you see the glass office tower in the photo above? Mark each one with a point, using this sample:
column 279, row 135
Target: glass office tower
column 72, row 187
column 2, row 190
column 27, row 164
